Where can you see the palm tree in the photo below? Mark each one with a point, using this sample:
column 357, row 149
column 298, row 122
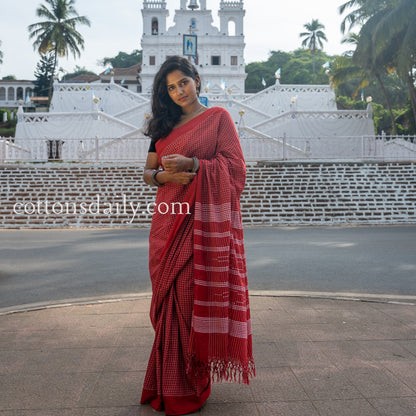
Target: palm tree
column 313, row 37
column 376, row 66
column 361, row 11
column 396, row 30
column 387, row 33
column 357, row 66
column 57, row 33
column 343, row 70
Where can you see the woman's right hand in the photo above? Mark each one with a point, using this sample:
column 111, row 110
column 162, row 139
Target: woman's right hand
column 152, row 163
column 181, row 178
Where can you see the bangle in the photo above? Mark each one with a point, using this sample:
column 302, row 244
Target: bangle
column 153, row 179
column 196, row 165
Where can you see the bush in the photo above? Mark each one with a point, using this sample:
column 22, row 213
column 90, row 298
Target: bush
column 2, row 111
column 7, row 129
column 382, row 119
column 347, row 103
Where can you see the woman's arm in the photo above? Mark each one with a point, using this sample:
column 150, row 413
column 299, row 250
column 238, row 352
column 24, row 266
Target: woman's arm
column 173, row 172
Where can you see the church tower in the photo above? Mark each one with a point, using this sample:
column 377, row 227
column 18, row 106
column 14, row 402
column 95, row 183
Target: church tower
column 154, row 14
column 220, row 52
column 231, row 15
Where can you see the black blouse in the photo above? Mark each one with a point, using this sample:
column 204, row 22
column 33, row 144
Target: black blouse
column 152, row 147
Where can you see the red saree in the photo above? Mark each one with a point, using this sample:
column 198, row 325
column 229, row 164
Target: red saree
column 200, row 308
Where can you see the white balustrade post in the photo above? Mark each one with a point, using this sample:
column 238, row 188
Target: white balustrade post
column 2, row 150
column 97, row 153
column 362, row 147
column 284, row 146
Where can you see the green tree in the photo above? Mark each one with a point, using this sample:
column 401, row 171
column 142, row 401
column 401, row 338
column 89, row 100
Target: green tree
column 313, row 38
column 255, row 72
column 43, row 74
column 1, row 55
column 395, row 31
column 386, row 37
column 296, row 68
column 123, row 59
column 360, row 13
column 9, row 78
column 78, row 71
column 364, row 57
column 57, row 33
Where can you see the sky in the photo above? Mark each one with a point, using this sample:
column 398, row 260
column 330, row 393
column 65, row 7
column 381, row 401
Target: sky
column 117, row 26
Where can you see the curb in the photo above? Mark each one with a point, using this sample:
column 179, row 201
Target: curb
column 341, row 296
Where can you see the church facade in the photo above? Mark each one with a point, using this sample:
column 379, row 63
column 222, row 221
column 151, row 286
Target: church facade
column 218, row 53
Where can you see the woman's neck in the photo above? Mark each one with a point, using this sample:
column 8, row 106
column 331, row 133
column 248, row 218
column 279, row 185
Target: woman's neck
column 193, row 112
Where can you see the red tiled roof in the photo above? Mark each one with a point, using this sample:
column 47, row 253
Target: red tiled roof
column 83, row 78
column 132, row 70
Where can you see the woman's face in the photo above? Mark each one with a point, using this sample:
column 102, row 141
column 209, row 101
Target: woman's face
column 182, row 89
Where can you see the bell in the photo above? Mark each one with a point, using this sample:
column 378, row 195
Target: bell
column 193, row 5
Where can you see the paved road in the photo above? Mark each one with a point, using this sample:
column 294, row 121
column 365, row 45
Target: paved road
column 53, row 265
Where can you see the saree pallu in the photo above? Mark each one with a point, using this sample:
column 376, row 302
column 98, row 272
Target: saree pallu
column 200, row 309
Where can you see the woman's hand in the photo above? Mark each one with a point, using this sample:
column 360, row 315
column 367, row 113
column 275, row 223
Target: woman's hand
column 177, row 164
column 181, row 178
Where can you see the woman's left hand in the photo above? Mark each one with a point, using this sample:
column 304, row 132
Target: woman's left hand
column 177, row 163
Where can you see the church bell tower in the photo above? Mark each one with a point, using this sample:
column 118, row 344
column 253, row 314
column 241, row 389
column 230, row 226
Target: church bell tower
column 219, row 55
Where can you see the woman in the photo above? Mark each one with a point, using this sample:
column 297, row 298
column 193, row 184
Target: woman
column 199, row 310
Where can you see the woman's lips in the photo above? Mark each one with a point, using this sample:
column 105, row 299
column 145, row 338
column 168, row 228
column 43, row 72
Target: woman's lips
column 182, row 99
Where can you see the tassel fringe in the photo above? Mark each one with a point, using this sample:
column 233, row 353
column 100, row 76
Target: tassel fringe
column 222, row 371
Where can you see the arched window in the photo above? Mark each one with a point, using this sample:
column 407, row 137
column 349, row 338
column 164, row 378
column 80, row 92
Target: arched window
column 2, row 94
column 10, row 94
column 28, row 91
column 155, row 26
column 231, row 27
column 19, row 93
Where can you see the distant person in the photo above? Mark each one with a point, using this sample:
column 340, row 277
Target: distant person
column 200, row 306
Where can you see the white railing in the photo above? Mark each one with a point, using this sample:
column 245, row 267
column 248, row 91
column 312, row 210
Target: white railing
column 255, row 147
column 16, row 103
column 73, row 150
column 75, row 88
column 231, row 4
column 153, row 5
column 75, row 125
column 313, row 115
column 293, row 89
column 112, row 98
column 378, row 148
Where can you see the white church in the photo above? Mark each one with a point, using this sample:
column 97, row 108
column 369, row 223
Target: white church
column 104, row 121
column 218, row 53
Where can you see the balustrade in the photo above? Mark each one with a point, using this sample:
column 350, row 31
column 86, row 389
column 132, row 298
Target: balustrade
column 255, row 148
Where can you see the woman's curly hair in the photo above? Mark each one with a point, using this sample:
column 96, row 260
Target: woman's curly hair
column 165, row 113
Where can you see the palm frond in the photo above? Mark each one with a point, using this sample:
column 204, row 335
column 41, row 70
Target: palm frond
column 58, row 32
column 42, row 11
column 83, row 20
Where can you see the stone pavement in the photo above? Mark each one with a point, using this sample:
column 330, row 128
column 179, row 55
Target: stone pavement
column 314, row 357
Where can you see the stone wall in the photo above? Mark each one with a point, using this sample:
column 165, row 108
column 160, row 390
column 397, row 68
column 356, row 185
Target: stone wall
column 113, row 195
column 331, row 193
